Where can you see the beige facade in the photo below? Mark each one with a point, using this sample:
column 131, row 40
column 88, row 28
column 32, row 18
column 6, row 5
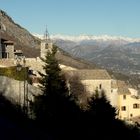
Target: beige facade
column 45, row 47
column 129, row 106
column 127, row 100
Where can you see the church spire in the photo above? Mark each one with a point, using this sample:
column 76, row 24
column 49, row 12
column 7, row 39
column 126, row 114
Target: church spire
column 46, row 44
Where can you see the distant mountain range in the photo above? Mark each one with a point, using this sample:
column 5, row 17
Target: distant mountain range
column 121, row 54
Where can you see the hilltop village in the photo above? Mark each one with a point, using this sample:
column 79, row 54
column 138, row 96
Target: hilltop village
column 120, row 95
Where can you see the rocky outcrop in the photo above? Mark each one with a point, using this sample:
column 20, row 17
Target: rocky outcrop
column 22, row 38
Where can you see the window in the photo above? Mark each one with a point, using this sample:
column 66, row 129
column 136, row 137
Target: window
column 124, row 97
column 123, row 108
column 100, row 86
column 136, row 106
column 131, row 115
column 46, row 46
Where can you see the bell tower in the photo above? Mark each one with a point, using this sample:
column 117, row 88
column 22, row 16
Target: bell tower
column 46, row 45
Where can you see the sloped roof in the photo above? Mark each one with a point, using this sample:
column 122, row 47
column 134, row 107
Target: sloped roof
column 122, row 87
column 88, row 74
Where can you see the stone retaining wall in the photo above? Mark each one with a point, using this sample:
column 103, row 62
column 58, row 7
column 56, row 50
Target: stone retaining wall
column 15, row 90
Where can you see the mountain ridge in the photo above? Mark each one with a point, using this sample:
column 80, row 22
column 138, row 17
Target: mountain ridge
column 22, row 38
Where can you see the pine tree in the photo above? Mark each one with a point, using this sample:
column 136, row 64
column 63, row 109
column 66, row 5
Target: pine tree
column 53, row 87
column 101, row 116
column 54, row 109
column 101, row 107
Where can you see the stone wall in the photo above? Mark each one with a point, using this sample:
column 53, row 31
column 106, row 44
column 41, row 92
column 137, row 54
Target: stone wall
column 15, row 90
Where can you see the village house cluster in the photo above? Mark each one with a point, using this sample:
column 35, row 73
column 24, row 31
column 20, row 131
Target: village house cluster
column 124, row 98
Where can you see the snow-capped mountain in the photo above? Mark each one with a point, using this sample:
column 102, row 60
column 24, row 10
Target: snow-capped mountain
column 81, row 38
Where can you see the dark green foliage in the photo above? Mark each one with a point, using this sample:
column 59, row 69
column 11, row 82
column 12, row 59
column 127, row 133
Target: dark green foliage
column 53, row 87
column 54, row 109
column 101, row 107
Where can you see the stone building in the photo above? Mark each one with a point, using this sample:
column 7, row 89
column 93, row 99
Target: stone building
column 6, row 49
column 93, row 79
column 123, row 98
column 46, row 45
column 127, row 101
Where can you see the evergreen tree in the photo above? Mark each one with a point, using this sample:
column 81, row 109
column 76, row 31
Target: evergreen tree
column 54, row 108
column 53, row 86
column 100, row 117
column 101, row 107
column 103, row 122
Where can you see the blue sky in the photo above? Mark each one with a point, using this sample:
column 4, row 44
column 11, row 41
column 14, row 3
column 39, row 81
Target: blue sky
column 74, row 17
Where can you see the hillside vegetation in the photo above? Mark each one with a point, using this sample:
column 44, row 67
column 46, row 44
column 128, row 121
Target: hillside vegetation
column 12, row 72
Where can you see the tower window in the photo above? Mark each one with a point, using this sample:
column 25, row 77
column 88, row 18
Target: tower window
column 124, row 97
column 46, row 46
column 136, row 106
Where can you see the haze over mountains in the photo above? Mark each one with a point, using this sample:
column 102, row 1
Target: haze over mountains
column 121, row 54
